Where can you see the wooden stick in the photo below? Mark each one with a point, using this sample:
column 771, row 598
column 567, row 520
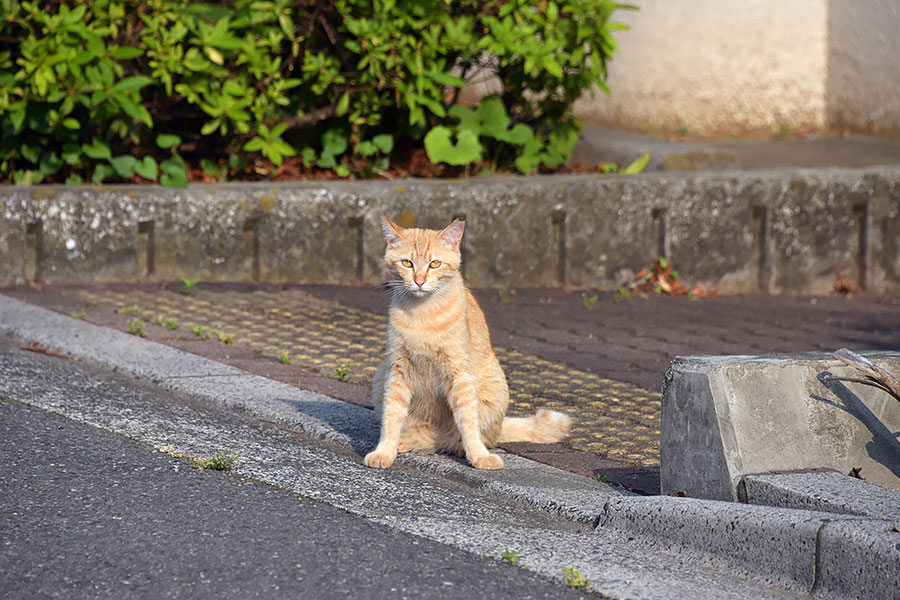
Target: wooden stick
column 876, row 375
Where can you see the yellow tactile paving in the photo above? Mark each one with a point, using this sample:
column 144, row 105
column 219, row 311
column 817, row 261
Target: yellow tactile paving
column 613, row 419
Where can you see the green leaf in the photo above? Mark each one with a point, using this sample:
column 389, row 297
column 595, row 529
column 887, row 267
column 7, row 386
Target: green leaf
column 97, row 149
column 71, row 123
column 254, row 145
column 343, row 104
column 638, row 165
column 384, row 142
column 101, row 172
column 30, row 153
column 520, row 134
column 125, row 52
column 440, row 148
column 215, row 56
column 71, row 153
column 167, row 140
column 492, row 115
column 212, row 169
column 134, row 110
column 334, row 141
column 468, row 118
column 210, row 126
column 124, row 165
column 147, row 168
column 529, row 159
column 174, row 173
column 130, row 84
column 552, row 12
column 551, row 66
column 309, row 156
column 17, row 116
column 366, row 148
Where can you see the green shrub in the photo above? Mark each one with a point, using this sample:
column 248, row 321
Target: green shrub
column 151, row 89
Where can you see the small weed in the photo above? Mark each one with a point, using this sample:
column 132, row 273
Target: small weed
column 342, row 372
column 200, row 331
column 79, row 315
column 170, row 450
column 574, row 579
column 189, row 284
column 685, row 129
column 130, row 311
column 224, row 460
column 622, row 294
column 511, row 556
column 285, row 357
column 600, row 477
column 590, row 303
column 505, row 292
column 564, row 468
column 158, row 320
column 136, row 327
column 226, row 339
column 171, row 324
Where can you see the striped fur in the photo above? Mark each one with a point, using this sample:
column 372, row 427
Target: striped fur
column 440, row 388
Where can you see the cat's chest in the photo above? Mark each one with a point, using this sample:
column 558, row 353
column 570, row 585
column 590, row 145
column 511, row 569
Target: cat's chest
column 425, row 341
column 424, row 345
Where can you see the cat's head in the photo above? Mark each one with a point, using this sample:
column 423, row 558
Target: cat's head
column 422, row 262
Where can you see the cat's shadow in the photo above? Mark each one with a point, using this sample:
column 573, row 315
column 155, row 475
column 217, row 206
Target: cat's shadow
column 884, row 448
column 361, row 426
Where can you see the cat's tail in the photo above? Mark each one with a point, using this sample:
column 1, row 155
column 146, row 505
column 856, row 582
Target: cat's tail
column 545, row 427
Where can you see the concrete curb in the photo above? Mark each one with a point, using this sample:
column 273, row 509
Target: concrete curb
column 348, row 425
column 795, row 550
column 823, row 492
column 771, row 231
column 740, row 537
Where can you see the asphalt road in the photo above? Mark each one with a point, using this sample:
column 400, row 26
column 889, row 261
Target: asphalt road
column 88, row 513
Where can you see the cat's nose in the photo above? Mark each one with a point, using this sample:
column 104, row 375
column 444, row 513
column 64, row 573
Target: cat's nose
column 419, row 282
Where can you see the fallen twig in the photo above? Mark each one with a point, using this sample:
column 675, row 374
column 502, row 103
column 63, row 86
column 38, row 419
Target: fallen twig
column 35, row 347
column 876, row 375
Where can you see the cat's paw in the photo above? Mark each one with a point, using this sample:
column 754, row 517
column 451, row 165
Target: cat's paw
column 380, row 459
column 488, row 461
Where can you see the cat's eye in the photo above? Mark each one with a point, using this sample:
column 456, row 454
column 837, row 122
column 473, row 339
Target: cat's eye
column 434, row 264
column 406, row 263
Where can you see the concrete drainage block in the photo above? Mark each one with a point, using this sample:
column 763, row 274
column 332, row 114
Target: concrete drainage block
column 727, row 417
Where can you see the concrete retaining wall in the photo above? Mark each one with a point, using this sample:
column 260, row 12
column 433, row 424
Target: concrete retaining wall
column 776, row 232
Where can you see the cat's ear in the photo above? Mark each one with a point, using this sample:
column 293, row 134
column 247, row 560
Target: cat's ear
column 393, row 233
column 452, row 234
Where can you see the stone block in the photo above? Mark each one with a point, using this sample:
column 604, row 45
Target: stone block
column 826, row 491
column 860, row 559
column 774, row 546
column 724, row 418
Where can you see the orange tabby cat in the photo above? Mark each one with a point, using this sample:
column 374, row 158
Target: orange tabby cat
column 441, row 389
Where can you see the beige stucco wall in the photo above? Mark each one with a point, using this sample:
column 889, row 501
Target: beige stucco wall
column 719, row 67
column 863, row 88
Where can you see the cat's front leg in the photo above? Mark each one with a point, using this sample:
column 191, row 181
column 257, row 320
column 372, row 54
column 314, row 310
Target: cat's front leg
column 464, row 405
column 395, row 407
